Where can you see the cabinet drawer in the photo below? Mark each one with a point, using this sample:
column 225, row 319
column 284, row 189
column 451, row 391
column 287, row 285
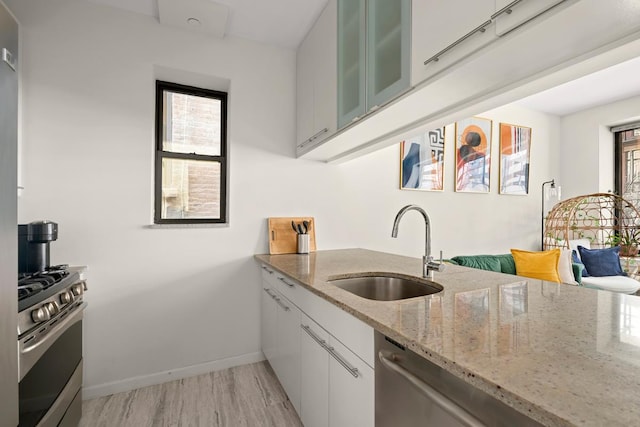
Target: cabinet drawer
column 350, row 331
column 269, row 276
column 291, row 289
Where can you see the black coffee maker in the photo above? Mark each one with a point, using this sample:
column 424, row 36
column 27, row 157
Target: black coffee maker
column 33, row 245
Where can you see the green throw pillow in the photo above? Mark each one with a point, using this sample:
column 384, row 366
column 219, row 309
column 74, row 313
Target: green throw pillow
column 507, row 264
column 483, row 262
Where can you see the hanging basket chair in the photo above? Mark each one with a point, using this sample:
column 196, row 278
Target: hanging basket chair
column 604, row 219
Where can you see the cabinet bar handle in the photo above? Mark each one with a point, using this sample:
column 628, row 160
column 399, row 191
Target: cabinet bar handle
column 480, row 29
column 353, row 371
column 316, row 338
column 267, row 270
column 506, row 9
column 313, row 137
column 291, row 285
column 281, row 304
column 269, row 293
column 434, row 395
column 318, row 134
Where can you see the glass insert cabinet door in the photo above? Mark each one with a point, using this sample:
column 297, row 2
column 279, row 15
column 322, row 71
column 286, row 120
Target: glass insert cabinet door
column 388, row 64
column 351, row 60
column 373, row 54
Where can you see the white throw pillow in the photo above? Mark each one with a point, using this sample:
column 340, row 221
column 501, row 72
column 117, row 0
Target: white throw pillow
column 585, row 243
column 565, row 268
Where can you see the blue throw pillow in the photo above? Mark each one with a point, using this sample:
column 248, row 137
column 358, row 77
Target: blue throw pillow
column 576, row 260
column 602, row 262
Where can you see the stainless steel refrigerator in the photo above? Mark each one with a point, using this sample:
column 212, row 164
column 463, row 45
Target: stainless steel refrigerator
column 8, row 219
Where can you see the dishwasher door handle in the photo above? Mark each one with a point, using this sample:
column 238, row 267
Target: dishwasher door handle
column 446, row 404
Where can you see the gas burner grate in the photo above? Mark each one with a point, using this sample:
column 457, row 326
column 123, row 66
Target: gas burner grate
column 31, row 284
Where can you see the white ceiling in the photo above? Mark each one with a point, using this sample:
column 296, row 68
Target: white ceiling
column 611, row 84
column 278, row 22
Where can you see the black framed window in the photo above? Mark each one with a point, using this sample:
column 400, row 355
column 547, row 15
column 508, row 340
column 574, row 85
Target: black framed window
column 627, row 164
column 191, row 155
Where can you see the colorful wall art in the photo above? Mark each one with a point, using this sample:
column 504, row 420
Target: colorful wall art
column 473, row 155
column 422, row 161
column 515, row 152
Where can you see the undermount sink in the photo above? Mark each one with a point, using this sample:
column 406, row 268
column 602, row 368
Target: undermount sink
column 386, row 287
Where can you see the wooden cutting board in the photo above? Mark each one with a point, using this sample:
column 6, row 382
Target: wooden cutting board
column 282, row 238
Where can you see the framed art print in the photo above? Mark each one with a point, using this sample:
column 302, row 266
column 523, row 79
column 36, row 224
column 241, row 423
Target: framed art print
column 422, row 161
column 515, row 153
column 473, row 155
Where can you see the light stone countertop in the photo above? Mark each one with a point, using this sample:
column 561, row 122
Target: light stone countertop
column 562, row 354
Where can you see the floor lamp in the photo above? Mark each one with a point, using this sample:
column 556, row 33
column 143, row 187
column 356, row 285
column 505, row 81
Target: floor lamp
column 553, row 193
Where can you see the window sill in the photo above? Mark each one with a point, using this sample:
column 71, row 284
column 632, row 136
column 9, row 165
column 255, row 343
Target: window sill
column 157, row 226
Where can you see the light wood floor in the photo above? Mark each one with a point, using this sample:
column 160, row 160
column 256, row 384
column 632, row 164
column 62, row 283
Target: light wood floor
column 248, row 395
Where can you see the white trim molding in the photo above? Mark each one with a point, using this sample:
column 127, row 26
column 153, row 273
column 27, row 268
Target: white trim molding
column 166, row 376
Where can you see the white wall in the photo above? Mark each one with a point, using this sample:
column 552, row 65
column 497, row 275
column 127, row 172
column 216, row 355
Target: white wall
column 587, row 147
column 166, row 299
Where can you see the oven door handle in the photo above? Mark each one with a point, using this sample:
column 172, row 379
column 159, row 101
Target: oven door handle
column 30, row 354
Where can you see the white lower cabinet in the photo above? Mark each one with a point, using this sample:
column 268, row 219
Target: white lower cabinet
column 327, row 383
column 314, row 385
column 269, row 311
column 351, row 388
column 288, row 349
column 337, row 387
column 281, row 340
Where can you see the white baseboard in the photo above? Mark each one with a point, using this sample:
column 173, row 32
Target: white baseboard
column 166, row 376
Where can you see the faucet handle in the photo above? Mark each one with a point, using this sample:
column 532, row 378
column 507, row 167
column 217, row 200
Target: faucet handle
column 441, row 267
column 435, row 265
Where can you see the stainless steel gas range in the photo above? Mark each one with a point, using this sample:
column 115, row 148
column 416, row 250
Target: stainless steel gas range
column 50, row 312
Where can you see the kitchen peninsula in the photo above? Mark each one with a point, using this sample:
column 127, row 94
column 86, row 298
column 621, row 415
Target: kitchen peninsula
column 560, row 354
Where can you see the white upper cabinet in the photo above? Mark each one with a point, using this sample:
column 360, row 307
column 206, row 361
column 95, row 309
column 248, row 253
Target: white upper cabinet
column 316, row 80
column 511, row 14
column 304, row 91
column 326, row 76
column 538, row 45
column 437, row 25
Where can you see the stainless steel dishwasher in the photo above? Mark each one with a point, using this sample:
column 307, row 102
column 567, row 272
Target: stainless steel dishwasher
column 411, row 391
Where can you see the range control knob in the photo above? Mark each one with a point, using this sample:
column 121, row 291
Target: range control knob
column 66, row 297
column 52, row 308
column 40, row 314
column 77, row 289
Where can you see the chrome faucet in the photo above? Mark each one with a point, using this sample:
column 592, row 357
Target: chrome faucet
column 428, row 264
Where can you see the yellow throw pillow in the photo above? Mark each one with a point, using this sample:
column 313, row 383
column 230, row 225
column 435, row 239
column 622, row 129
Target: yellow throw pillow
column 537, row 265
